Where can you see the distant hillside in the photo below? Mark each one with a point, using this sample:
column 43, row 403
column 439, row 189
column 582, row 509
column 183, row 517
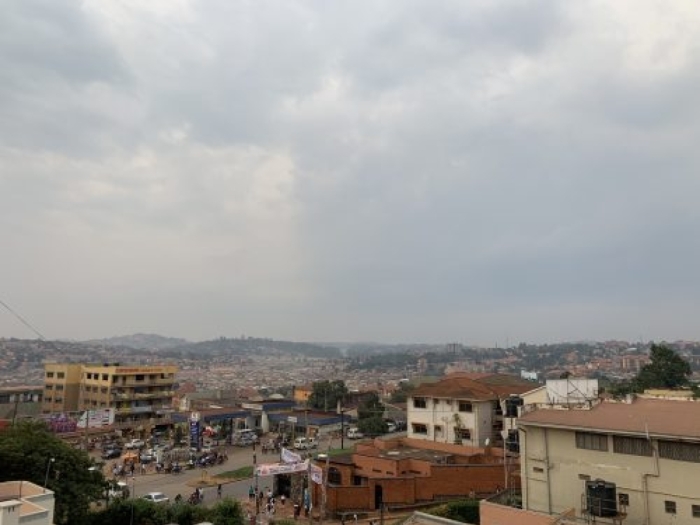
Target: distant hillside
column 252, row 346
column 142, row 341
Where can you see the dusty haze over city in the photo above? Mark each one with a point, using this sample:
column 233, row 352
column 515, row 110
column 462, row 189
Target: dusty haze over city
column 482, row 172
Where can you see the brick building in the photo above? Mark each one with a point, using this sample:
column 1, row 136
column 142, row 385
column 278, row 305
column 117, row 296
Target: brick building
column 404, row 471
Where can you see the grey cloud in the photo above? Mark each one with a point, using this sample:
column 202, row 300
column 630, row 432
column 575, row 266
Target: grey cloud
column 365, row 171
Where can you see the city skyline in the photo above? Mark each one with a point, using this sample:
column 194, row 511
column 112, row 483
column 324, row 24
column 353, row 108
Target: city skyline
column 482, row 173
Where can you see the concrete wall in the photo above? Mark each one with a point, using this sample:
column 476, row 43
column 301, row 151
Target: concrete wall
column 555, row 471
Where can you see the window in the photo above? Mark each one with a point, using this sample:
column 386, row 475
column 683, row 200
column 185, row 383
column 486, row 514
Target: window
column 59, row 387
column 103, row 390
column 463, row 433
column 623, row 499
column 539, row 470
column 419, row 402
column 631, row 445
column 679, row 451
column 49, row 387
column 670, row 507
column 139, row 377
column 49, row 374
column 105, row 377
column 465, row 406
column 419, row 428
column 696, row 511
column 61, row 375
column 592, row 441
column 334, row 476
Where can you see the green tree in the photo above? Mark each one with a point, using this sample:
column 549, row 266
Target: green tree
column 28, row 451
column 666, row 370
column 227, row 512
column 401, row 394
column 370, row 416
column 326, row 394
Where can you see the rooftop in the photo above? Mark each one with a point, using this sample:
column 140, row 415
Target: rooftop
column 480, row 386
column 655, row 417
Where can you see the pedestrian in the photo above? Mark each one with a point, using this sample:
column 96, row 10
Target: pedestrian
column 282, row 499
column 218, row 491
column 132, row 468
column 251, row 493
column 354, row 516
column 296, row 510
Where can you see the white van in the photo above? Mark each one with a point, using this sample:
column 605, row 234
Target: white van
column 245, row 437
column 301, row 443
column 354, row 433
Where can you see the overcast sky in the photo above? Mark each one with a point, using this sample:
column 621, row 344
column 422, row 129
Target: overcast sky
column 477, row 171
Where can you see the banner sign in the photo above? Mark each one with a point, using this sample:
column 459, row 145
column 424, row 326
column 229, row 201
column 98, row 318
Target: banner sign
column 316, row 474
column 271, row 469
column 290, row 457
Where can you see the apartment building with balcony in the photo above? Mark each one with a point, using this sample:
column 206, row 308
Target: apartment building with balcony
column 139, row 395
column 475, row 409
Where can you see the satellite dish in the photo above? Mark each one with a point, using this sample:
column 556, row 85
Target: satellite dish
column 487, row 442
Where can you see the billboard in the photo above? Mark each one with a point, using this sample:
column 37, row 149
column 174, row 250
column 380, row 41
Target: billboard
column 62, row 422
column 99, row 418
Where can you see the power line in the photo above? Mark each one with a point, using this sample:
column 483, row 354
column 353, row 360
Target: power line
column 22, row 320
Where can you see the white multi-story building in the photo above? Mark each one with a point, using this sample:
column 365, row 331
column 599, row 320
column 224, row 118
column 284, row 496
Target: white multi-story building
column 469, row 409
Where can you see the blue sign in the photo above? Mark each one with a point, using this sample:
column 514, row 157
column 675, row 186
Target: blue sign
column 194, row 434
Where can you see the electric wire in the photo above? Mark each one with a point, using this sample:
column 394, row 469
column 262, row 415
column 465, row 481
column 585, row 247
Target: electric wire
column 22, row 320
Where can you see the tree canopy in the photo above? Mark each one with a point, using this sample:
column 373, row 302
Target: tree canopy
column 28, row 451
column 370, row 416
column 666, row 370
column 225, row 512
column 326, row 394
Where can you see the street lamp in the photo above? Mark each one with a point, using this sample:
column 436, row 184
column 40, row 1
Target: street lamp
column 48, row 469
column 342, row 428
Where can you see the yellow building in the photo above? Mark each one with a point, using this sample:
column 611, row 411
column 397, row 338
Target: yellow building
column 140, row 395
column 61, row 387
column 302, row 393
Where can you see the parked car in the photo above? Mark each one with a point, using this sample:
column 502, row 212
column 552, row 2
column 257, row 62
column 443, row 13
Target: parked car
column 147, row 456
column 135, row 444
column 111, row 453
column 391, row 427
column 156, row 497
column 304, row 443
column 354, row 433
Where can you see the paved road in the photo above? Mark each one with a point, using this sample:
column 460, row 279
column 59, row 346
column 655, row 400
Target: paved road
column 174, row 484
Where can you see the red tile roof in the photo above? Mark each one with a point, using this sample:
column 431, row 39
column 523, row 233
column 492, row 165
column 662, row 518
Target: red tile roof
column 480, row 387
column 658, row 417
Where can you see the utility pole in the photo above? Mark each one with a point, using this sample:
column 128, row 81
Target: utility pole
column 257, row 489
